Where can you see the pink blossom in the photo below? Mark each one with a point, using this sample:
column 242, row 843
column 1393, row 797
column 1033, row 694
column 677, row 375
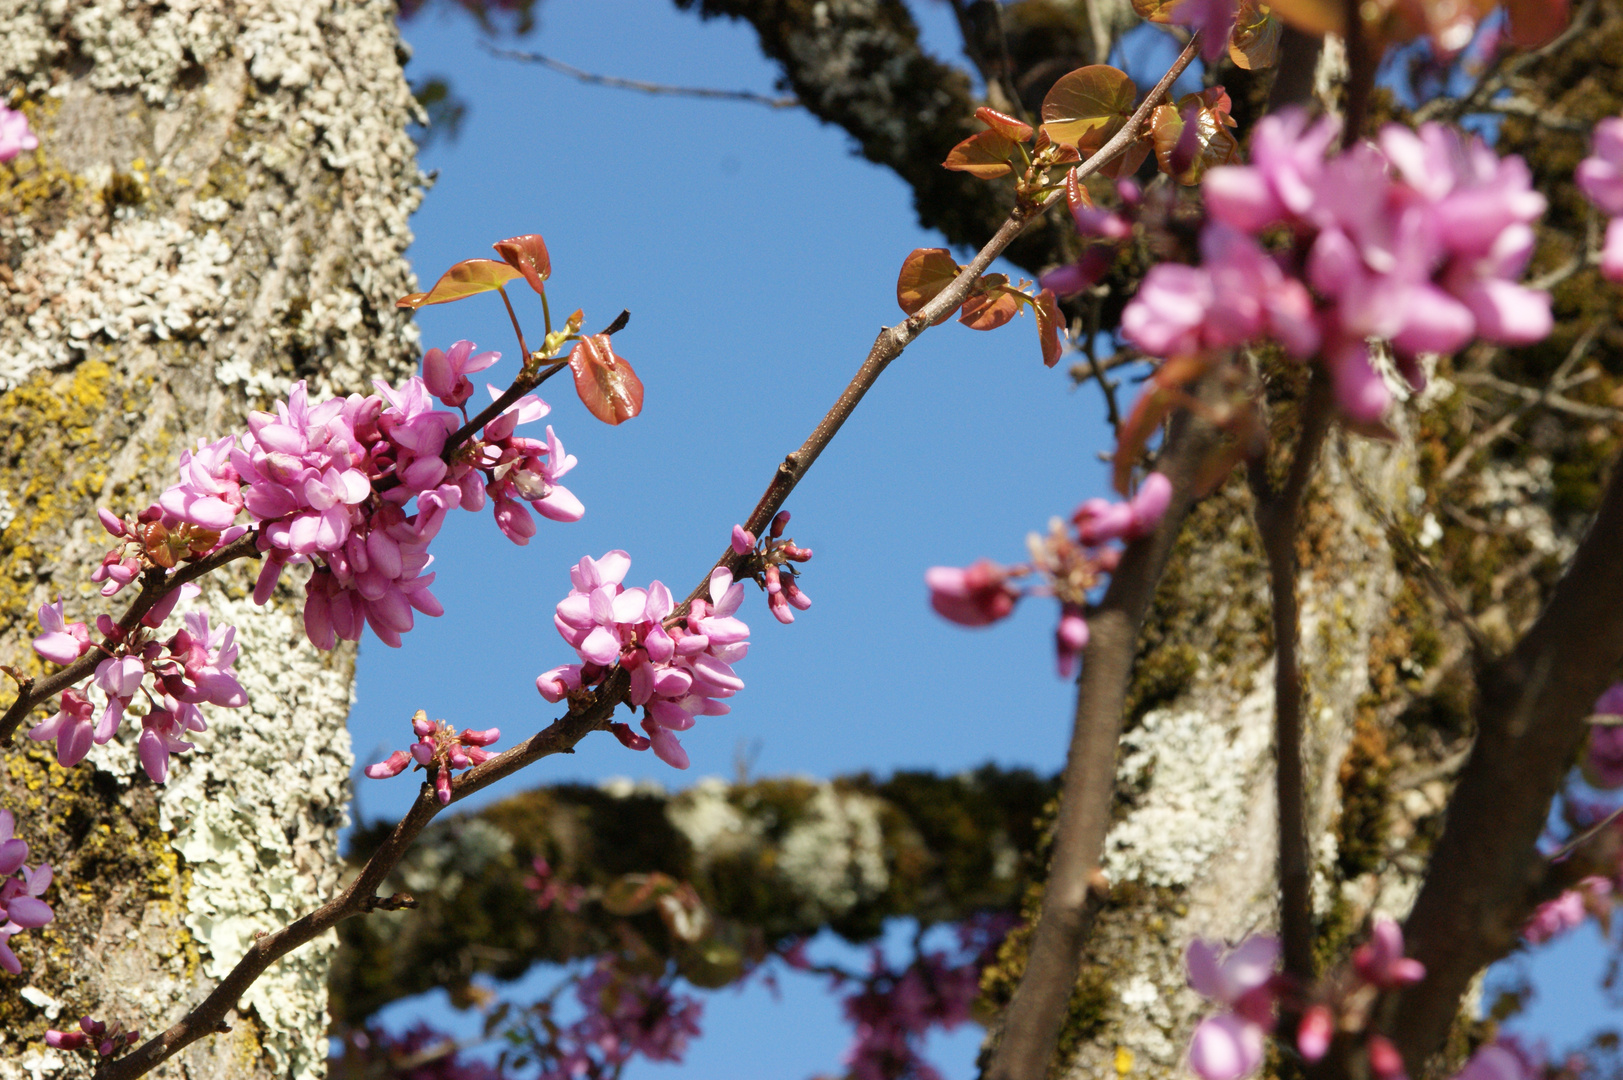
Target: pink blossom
column 1226, row 1047
column 440, row 748
column 1099, row 521
column 1496, row 1061
column 1384, row 1060
column 15, row 134
column 210, row 492
column 107, row 1039
column 1070, row 638
column 1213, row 19
column 1380, row 960
column 20, row 905
column 1555, row 917
column 975, row 595
column 63, row 642
column 71, row 727
column 1600, row 177
column 1314, row 1033
column 446, row 373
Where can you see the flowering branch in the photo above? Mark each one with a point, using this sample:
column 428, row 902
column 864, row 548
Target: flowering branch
column 359, row 897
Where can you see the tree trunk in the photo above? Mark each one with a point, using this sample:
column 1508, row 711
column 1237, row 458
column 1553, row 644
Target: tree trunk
column 217, row 208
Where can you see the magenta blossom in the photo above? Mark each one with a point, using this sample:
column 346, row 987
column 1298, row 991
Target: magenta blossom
column 976, row 595
column 1601, row 179
column 1380, row 960
column 15, row 134
column 107, row 1039
column 20, row 905
column 438, row 747
column 63, row 642
column 446, row 373
column 1099, row 521
column 1592, row 895
column 1230, row 1045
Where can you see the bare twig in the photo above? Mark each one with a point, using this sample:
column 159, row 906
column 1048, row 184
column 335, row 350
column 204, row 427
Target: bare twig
column 640, row 86
column 1278, row 515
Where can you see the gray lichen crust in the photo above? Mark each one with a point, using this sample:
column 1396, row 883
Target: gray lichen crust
column 218, row 207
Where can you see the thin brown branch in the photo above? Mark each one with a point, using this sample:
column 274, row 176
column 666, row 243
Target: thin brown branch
column 360, row 896
column 892, row 340
column 643, row 87
column 1531, row 706
column 1076, row 880
column 1278, row 516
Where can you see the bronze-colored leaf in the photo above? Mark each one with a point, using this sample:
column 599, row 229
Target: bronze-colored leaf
column 1190, row 138
column 985, row 154
column 1005, row 125
column 1155, row 11
column 991, row 305
column 1089, row 105
column 528, row 255
column 1048, row 323
column 925, row 272
column 1255, row 42
column 607, row 386
column 466, row 278
column 1316, row 17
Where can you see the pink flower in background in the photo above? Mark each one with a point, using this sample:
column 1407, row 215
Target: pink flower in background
column 1380, row 960
column 975, row 595
column 1100, row 521
column 1552, row 918
column 15, row 134
column 1230, row 1045
column 1601, row 179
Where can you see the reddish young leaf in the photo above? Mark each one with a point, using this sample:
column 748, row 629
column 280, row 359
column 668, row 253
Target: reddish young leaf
column 1088, row 106
column 1005, row 125
column 985, row 154
column 1076, row 196
column 924, row 274
column 1255, row 43
column 991, row 305
column 1048, row 327
column 528, row 255
column 1193, row 136
column 466, row 278
column 607, row 386
column 1161, row 395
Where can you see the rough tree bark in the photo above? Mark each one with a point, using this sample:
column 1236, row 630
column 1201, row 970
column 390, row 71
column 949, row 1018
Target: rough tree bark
column 218, row 207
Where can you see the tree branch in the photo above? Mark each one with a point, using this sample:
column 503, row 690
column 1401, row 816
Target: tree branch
column 358, row 898
column 1278, row 516
column 640, row 86
column 1076, row 881
column 1485, row 873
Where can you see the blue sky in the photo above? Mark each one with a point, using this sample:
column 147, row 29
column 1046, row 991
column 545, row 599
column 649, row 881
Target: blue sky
column 758, row 257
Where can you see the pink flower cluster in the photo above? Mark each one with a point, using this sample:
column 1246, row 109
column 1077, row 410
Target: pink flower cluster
column 1591, row 896
column 438, row 747
column 982, row 593
column 769, row 564
column 106, row 1039
column 20, row 890
column 1601, row 178
column 331, row 483
column 549, row 890
column 1603, row 762
column 894, row 1010
column 192, row 667
column 678, row 672
column 15, row 134
column 1417, row 241
column 627, row 1014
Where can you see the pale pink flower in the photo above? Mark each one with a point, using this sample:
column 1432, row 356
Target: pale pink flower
column 63, row 642
column 15, row 134
column 446, row 373
column 71, row 727
column 1380, row 960
column 975, row 595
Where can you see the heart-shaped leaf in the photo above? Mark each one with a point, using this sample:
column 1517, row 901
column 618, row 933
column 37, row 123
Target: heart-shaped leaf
column 528, row 255
column 1004, row 125
column 1048, row 322
column 925, row 272
column 466, row 278
column 1255, row 42
column 991, row 305
column 1163, row 393
column 985, row 154
column 1088, row 106
column 607, row 386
